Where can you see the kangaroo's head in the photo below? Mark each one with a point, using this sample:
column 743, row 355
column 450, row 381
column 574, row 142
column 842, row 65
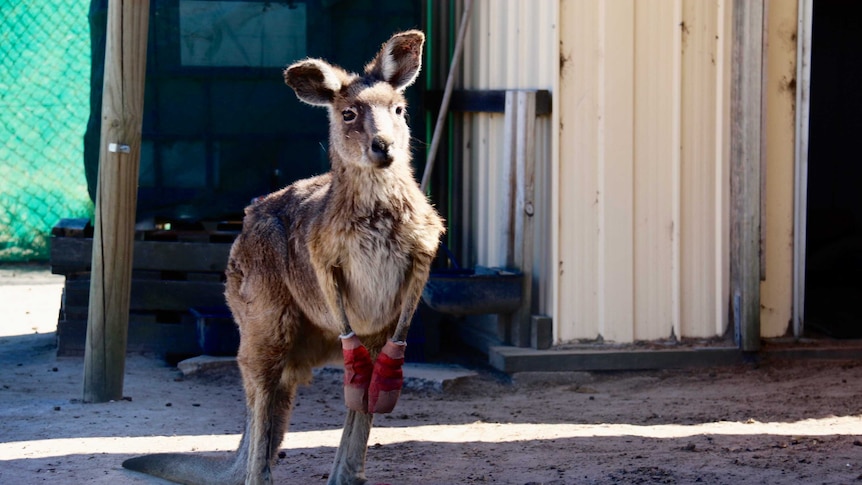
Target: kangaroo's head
column 367, row 113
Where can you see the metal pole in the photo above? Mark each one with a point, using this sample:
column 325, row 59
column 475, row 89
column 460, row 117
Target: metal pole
column 447, row 94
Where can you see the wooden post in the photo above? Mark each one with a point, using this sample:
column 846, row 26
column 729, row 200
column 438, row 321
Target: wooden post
column 745, row 187
column 116, row 199
column 524, row 200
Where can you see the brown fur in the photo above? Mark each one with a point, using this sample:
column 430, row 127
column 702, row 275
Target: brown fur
column 347, row 250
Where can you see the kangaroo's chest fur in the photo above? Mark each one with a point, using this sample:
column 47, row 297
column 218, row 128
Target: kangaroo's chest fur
column 373, row 242
column 375, row 255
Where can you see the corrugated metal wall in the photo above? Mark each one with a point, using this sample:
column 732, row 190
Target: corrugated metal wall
column 643, row 182
column 512, row 44
column 632, row 166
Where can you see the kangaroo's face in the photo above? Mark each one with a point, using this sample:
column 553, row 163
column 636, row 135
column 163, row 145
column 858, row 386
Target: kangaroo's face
column 367, row 113
column 368, row 125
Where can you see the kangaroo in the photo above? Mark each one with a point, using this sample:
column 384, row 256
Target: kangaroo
column 334, row 262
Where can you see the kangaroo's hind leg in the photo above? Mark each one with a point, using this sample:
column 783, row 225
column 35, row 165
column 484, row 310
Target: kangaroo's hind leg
column 270, row 389
column 267, row 321
column 270, row 401
column 349, row 466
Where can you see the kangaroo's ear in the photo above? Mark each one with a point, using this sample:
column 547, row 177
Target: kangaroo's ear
column 315, row 81
column 399, row 60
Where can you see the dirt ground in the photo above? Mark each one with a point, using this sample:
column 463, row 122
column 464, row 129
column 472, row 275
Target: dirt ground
column 777, row 423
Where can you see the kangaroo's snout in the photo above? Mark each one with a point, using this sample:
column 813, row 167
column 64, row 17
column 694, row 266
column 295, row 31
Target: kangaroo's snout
column 381, row 151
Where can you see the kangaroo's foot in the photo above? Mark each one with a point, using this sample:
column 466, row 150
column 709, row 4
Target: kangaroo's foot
column 387, row 379
column 357, row 373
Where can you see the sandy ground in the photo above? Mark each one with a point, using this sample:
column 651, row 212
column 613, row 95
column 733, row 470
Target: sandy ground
column 779, row 423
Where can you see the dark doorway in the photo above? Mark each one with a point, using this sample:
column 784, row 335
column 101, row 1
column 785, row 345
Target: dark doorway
column 219, row 126
column 833, row 303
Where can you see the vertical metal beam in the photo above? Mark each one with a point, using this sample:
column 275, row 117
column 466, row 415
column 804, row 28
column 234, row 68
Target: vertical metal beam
column 745, row 170
column 524, row 211
column 800, row 195
column 116, row 199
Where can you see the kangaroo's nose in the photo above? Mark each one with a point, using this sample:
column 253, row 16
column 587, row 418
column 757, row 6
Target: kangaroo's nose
column 380, row 145
column 380, row 149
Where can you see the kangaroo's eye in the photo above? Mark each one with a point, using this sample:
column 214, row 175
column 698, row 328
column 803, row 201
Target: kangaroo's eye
column 349, row 115
column 399, row 110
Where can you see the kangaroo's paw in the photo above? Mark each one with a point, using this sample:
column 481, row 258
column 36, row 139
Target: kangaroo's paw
column 387, row 379
column 357, row 373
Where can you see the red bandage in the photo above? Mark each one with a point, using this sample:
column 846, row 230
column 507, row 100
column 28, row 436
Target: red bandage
column 357, row 374
column 387, row 379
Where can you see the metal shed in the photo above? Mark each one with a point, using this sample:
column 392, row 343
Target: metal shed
column 670, row 173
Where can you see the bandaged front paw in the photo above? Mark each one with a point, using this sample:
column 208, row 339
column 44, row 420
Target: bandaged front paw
column 357, row 373
column 387, row 378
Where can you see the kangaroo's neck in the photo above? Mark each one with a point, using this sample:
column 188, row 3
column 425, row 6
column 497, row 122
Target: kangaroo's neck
column 362, row 190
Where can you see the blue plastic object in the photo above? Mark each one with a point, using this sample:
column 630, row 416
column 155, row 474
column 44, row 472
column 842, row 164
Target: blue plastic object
column 217, row 332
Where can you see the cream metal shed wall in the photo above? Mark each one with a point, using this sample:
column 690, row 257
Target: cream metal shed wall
column 512, row 44
column 644, row 147
column 633, row 164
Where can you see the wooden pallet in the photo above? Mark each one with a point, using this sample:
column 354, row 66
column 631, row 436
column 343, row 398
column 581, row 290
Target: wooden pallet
column 173, row 271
